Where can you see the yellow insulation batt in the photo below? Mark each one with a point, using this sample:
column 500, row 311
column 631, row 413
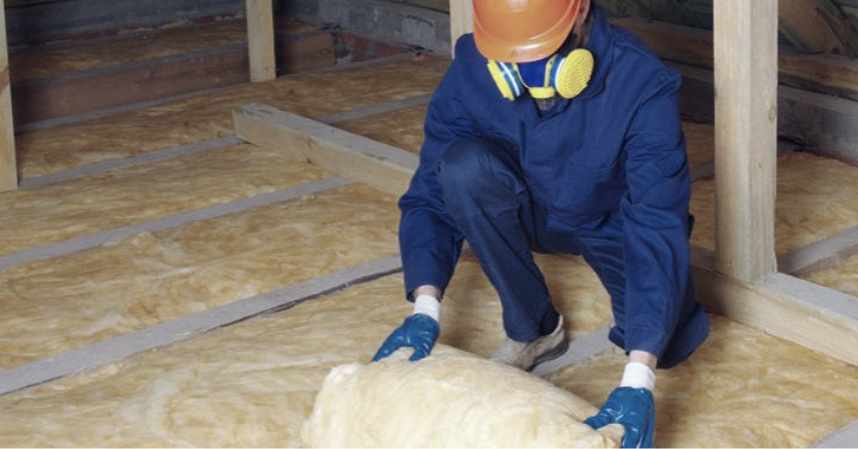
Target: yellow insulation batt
column 816, row 200
column 743, row 388
column 57, row 304
column 254, row 383
column 119, row 198
column 843, row 277
column 208, row 116
column 135, row 47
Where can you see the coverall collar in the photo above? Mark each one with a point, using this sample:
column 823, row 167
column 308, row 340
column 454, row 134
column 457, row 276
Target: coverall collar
column 599, row 43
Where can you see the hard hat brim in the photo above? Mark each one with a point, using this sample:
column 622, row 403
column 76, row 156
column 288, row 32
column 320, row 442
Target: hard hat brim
column 536, row 48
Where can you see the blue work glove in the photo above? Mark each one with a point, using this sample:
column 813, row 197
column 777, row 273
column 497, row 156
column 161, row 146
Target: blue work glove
column 634, row 408
column 419, row 331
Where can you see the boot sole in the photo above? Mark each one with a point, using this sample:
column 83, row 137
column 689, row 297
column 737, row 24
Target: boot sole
column 552, row 354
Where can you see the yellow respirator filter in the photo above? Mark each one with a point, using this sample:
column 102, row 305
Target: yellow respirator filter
column 574, row 73
column 565, row 76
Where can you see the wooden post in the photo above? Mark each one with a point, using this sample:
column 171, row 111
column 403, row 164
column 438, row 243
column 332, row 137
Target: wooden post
column 461, row 20
column 260, row 40
column 746, row 67
column 8, row 168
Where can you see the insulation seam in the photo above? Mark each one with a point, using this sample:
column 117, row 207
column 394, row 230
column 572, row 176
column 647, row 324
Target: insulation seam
column 219, row 210
column 97, row 168
column 123, row 346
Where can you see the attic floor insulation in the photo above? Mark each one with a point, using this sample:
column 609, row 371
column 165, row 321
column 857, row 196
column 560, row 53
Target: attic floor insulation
column 209, row 115
column 816, row 199
column 253, row 383
column 63, row 303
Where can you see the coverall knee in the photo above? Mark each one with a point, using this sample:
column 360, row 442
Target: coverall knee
column 484, row 193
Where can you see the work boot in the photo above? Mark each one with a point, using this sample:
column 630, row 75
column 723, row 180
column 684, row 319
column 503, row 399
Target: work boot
column 527, row 355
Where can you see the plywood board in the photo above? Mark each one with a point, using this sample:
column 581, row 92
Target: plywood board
column 816, row 199
column 741, row 389
column 63, row 303
column 209, row 115
column 843, row 277
column 122, row 197
column 252, row 384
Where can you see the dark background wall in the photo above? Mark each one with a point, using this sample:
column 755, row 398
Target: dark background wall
column 36, row 21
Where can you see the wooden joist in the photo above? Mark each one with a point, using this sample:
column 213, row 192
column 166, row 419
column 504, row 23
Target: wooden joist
column 348, row 155
column 461, row 20
column 816, row 317
column 746, row 79
column 828, row 320
column 8, row 167
column 260, row 39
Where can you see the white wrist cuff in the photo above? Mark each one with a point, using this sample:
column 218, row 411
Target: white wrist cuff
column 428, row 305
column 638, row 375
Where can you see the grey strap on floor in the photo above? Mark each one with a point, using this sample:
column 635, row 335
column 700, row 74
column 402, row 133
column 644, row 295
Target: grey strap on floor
column 845, row 437
column 822, row 254
column 123, row 346
column 219, row 210
column 114, row 164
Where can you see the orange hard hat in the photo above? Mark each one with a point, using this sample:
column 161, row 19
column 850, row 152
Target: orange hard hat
column 523, row 30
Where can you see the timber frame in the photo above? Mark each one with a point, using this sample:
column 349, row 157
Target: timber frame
column 8, row 166
column 740, row 279
column 263, row 67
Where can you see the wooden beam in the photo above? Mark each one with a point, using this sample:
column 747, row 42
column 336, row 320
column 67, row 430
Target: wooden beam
column 746, row 46
column 461, row 20
column 816, row 317
column 260, row 39
column 343, row 153
column 8, row 167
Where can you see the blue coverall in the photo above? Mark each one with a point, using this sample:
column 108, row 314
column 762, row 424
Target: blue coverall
column 604, row 175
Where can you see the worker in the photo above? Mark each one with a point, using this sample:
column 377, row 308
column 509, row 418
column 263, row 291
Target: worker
column 554, row 131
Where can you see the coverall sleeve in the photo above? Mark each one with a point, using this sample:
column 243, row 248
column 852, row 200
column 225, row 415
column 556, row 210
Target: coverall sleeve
column 429, row 241
column 656, row 221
